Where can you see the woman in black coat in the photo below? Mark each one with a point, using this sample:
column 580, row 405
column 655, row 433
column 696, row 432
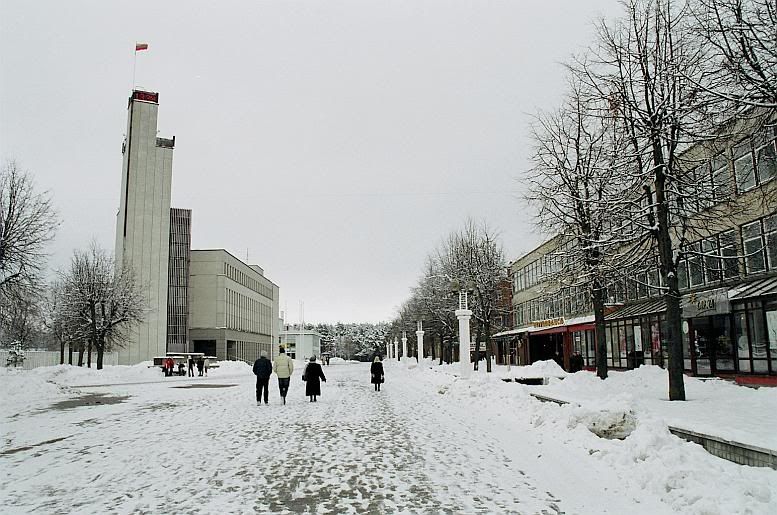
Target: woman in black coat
column 313, row 372
column 376, row 371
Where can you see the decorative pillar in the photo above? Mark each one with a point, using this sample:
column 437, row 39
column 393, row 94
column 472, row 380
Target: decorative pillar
column 464, row 314
column 404, row 346
column 388, row 350
column 396, row 349
column 419, row 334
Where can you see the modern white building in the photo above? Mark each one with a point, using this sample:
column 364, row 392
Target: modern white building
column 300, row 343
column 233, row 307
column 143, row 223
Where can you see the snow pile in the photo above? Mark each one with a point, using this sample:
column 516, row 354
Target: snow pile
column 548, row 368
column 230, row 367
column 715, row 407
column 19, row 390
column 71, row 375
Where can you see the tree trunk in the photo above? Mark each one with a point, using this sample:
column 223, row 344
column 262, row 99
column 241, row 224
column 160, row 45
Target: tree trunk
column 81, row 355
column 62, row 352
column 601, row 343
column 89, row 355
column 100, row 352
column 488, row 345
column 69, row 353
column 669, row 272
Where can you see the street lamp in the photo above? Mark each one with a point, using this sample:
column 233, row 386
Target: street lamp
column 463, row 314
column 420, row 338
column 404, row 345
column 396, row 349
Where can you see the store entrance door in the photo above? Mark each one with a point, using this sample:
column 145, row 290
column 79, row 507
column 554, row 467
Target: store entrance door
column 713, row 351
column 547, row 346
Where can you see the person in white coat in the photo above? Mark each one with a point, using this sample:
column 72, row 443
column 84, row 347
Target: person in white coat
column 283, row 366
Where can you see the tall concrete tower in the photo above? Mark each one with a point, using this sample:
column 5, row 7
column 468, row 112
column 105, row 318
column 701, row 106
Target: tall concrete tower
column 143, row 222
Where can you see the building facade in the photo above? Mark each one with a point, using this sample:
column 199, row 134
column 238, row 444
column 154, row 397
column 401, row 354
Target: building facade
column 143, row 223
column 300, row 343
column 727, row 278
column 178, row 280
column 233, row 307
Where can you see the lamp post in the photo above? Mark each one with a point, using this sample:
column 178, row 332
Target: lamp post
column 388, row 350
column 396, row 349
column 463, row 314
column 404, row 345
column 420, row 338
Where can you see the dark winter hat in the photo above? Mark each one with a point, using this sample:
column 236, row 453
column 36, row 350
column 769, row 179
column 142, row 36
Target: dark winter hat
column 312, row 358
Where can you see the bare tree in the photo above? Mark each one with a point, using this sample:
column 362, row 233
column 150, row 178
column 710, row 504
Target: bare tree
column 474, row 256
column 20, row 319
column 742, row 35
column 435, row 306
column 649, row 67
column 27, row 223
column 102, row 301
column 574, row 183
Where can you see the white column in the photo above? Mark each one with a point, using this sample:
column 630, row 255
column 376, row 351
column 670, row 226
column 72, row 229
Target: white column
column 396, row 349
column 404, row 346
column 388, row 350
column 420, row 337
column 464, row 315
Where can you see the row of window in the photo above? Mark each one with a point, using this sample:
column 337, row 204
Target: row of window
column 246, row 314
column 249, row 282
column 711, row 261
column 744, row 341
column 247, row 351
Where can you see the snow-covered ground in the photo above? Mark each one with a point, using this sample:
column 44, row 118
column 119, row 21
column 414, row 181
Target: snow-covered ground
column 430, row 442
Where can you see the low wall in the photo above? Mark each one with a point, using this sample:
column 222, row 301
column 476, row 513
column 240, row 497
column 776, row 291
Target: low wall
column 740, row 453
column 45, row 358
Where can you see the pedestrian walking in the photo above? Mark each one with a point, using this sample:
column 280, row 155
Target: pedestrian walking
column 200, row 366
column 262, row 370
column 283, row 366
column 313, row 372
column 205, row 364
column 191, row 366
column 376, row 373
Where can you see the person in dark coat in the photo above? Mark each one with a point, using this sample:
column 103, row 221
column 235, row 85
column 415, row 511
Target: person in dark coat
column 191, row 366
column 263, row 371
column 376, row 372
column 313, row 372
column 200, row 365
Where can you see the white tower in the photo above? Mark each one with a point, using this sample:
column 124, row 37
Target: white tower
column 143, row 223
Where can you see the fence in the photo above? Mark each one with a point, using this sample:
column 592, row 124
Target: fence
column 45, row 358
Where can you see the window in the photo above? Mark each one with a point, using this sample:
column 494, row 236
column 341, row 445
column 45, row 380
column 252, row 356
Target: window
column 752, row 242
column 728, row 250
column 765, row 156
column 695, row 266
column 720, row 185
column 711, row 263
column 743, row 166
column 770, row 235
column 755, row 160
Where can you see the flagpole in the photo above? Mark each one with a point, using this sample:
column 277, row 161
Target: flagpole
column 134, row 65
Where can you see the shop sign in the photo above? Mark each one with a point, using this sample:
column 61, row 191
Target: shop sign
column 549, row 322
column 481, row 349
column 713, row 302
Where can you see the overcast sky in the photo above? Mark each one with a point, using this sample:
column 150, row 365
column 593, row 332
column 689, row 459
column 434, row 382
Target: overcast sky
column 335, row 143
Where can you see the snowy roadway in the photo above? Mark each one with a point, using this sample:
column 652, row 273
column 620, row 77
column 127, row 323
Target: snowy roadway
column 427, row 443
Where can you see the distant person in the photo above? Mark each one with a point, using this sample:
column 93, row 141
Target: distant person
column 168, row 366
column 376, row 373
column 313, row 372
column 283, row 366
column 205, row 364
column 181, row 368
column 200, row 366
column 327, row 360
column 191, row 366
column 262, row 371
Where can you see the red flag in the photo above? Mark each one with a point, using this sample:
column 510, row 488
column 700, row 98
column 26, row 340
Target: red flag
column 141, row 46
